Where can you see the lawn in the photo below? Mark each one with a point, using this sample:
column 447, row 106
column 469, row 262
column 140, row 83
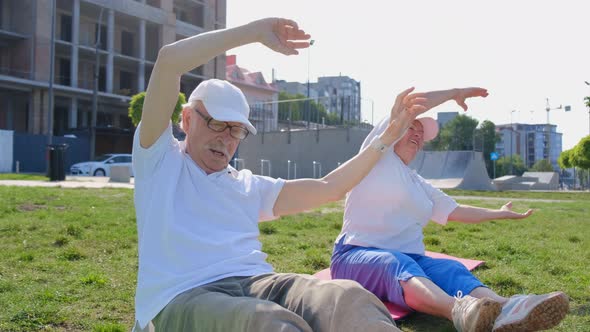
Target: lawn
column 23, row 176
column 68, row 257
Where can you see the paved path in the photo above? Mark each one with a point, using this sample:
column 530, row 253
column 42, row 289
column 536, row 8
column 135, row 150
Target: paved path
column 70, row 182
column 103, row 182
column 506, row 199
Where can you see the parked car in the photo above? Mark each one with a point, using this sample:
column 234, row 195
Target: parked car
column 101, row 166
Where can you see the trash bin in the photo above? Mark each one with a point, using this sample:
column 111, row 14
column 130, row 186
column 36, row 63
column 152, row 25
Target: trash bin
column 57, row 162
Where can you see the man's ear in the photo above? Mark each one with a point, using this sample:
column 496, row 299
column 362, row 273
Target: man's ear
column 185, row 118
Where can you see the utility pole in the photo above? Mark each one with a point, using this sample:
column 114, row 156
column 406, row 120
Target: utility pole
column 308, row 102
column 511, row 134
column 51, row 76
column 588, row 100
column 95, row 91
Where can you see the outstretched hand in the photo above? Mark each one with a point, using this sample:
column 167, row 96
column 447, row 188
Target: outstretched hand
column 282, row 35
column 509, row 214
column 406, row 108
column 463, row 94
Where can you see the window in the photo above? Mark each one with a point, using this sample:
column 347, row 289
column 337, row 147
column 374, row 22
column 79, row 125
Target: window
column 65, row 28
column 102, row 79
column 125, row 80
column 103, row 36
column 126, row 43
column 180, row 14
column 63, row 77
column 119, row 160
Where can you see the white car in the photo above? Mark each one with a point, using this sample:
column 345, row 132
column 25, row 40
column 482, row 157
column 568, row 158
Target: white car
column 101, row 166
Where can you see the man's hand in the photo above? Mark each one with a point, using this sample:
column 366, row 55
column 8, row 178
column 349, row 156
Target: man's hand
column 509, row 214
column 281, row 35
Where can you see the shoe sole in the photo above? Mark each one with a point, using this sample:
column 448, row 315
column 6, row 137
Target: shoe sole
column 488, row 312
column 544, row 316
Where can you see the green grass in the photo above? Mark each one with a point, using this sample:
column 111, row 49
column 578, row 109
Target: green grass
column 23, row 176
column 68, row 257
column 560, row 195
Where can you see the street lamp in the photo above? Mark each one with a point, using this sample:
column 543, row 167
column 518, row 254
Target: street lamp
column 511, row 134
column 95, row 88
column 51, row 77
column 372, row 109
column 308, row 65
column 588, row 100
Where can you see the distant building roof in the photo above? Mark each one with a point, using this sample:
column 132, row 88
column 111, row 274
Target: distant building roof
column 239, row 75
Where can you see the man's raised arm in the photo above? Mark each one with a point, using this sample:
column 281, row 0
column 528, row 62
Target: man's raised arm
column 280, row 35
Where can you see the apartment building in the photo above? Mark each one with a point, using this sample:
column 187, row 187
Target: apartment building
column 131, row 33
column 532, row 142
column 261, row 95
column 339, row 95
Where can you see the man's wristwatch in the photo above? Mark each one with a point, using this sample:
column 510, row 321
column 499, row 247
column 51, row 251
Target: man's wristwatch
column 377, row 145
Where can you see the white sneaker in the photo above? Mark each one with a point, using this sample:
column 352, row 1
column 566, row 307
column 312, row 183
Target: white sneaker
column 471, row 314
column 532, row 312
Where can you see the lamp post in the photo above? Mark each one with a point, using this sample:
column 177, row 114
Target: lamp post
column 588, row 100
column 372, row 109
column 51, row 76
column 308, row 65
column 511, row 134
column 95, row 89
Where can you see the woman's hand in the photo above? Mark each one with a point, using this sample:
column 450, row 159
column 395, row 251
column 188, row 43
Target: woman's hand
column 509, row 214
column 406, row 108
column 463, row 94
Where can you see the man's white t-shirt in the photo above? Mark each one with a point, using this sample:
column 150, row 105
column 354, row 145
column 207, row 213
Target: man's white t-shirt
column 391, row 205
column 194, row 228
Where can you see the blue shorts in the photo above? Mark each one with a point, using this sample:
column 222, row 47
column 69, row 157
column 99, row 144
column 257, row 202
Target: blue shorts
column 381, row 270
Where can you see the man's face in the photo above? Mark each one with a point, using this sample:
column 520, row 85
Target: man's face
column 412, row 142
column 211, row 150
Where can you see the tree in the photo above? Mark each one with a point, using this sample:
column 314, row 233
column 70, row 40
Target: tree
column 581, row 154
column 503, row 166
column 565, row 159
column 490, row 137
column 457, row 134
column 295, row 107
column 136, row 107
column 543, row 165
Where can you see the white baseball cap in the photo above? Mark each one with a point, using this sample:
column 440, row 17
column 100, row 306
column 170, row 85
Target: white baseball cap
column 224, row 102
column 430, row 128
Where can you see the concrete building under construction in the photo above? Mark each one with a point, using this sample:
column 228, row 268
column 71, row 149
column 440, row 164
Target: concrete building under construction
column 131, row 33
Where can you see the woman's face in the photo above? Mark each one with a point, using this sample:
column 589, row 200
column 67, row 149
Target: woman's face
column 412, row 142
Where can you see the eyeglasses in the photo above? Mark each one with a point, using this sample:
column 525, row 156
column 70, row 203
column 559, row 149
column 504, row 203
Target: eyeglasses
column 238, row 132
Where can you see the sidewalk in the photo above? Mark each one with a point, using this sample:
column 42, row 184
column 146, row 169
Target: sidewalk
column 71, row 182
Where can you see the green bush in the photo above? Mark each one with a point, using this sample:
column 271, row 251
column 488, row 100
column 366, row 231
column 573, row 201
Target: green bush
column 136, row 107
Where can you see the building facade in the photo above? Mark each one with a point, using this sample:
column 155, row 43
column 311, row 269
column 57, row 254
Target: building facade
column 340, row 95
column 444, row 117
column 261, row 95
column 131, row 33
column 532, row 142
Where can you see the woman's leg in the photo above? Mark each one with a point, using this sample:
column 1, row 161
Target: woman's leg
column 387, row 274
column 480, row 292
column 422, row 295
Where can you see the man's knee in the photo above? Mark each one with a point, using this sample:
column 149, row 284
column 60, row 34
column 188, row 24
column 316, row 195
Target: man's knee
column 272, row 317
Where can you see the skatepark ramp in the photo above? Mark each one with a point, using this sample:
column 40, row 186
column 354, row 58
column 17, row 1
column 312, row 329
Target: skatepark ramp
column 453, row 169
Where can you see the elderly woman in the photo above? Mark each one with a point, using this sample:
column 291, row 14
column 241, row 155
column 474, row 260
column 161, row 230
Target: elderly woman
column 381, row 245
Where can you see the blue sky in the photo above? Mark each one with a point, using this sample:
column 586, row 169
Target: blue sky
column 521, row 51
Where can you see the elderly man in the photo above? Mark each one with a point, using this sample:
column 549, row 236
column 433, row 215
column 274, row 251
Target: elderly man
column 381, row 247
column 201, row 267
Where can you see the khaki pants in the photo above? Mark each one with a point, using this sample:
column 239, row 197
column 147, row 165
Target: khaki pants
column 276, row 302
